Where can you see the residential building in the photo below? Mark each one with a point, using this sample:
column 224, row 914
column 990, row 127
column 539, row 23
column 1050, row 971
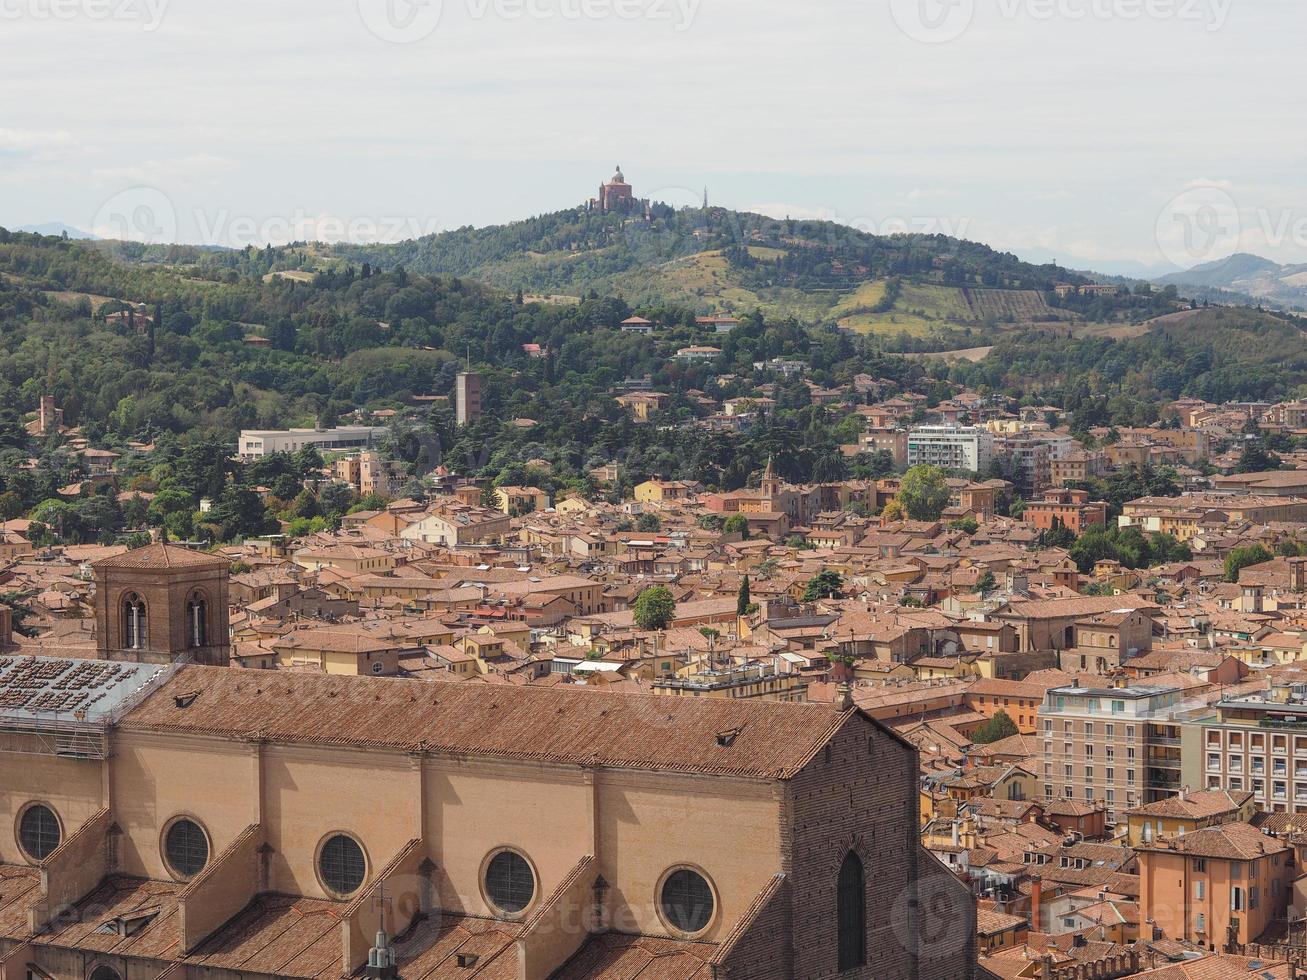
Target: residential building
column 1186, row 813
column 1253, row 743
column 963, row 448
column 1071, row 509
column 1217, row 886
column 1117, row 746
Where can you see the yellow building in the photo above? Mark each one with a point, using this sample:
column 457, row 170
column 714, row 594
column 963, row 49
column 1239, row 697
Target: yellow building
column 1186, row 813
column 520, row 500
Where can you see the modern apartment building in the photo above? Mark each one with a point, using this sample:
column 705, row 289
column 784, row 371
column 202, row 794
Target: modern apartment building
column 1253, row 742
column 260, row 442
column 1118, row 746
column 951, row 447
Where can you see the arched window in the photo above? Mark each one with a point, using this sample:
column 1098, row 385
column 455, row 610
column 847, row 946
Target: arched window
column 197, row 621
column 105, row 973
column 852, row 914
column 133, row 622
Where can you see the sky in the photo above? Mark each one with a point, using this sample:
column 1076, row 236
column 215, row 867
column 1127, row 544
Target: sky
column 1124, row 136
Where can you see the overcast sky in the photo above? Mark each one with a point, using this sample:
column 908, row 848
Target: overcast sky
column 1099, row 132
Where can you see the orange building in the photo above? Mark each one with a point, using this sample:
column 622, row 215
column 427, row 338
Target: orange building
column 1218, row 885
column 1071, row 509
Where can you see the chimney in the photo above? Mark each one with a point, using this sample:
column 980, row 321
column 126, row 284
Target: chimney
column 1036, row 901
column 844, row 701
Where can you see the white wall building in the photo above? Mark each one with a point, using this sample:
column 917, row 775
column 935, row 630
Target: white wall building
column 951, row 447
column 260, row 442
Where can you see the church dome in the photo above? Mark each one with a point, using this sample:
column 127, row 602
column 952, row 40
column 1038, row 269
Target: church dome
column 617, row 177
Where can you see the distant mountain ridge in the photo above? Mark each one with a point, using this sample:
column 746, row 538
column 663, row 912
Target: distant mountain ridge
column 1250, row 274
column 58, row 229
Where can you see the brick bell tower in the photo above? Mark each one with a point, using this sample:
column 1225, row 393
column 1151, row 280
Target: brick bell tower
column 162, row 603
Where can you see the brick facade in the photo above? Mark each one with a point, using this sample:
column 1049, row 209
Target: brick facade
column 167, row 580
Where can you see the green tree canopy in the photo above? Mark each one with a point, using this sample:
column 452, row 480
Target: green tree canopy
column 655, row 608
column 923, row 493
column 826, row 584
column 1240, row 558
column 999, row 727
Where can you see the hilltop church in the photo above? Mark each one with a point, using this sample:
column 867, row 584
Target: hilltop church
column 170, row 816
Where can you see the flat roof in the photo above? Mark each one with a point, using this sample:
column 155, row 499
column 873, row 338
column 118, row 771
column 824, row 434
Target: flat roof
column 1132, row 692
column 67, row 689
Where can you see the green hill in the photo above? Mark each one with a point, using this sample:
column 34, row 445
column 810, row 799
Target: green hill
column 716, row 260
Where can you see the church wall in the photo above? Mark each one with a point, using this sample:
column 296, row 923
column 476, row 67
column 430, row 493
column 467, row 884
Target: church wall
column 73, row 788
column 312, row 792
column 157, row 778
column 475, row 808
column 650, row 823
column 862, row 797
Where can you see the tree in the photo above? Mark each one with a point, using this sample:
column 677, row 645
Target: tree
column 1059, row 536
column 742, row 599
column 1255, row 458
column 1240, row 558
column 648, row 524
column 655, row 608
column 826, row 584
column 893, row 512
column 999, row 727
column 986, row 583
column 737, row 524
column 923, row 493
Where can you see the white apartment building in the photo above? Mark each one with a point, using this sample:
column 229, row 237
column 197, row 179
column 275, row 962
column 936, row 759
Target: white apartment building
column 260, row 442
column 951, row 447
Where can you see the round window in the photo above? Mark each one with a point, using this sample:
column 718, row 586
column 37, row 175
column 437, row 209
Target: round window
column 342, row 864
column 510, row 883
column 38, row 832
column 687, row 901
column 186, row 848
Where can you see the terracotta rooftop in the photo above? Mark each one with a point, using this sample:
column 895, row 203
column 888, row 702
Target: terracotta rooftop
column 163, row 556
column 767, row 740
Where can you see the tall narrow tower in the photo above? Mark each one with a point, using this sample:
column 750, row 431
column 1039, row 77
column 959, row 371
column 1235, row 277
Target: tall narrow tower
column 467, row 397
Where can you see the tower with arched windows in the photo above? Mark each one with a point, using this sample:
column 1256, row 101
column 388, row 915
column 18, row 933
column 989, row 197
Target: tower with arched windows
column 162, row 603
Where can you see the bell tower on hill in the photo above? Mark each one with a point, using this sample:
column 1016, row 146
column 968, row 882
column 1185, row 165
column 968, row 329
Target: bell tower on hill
column 162, row 603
